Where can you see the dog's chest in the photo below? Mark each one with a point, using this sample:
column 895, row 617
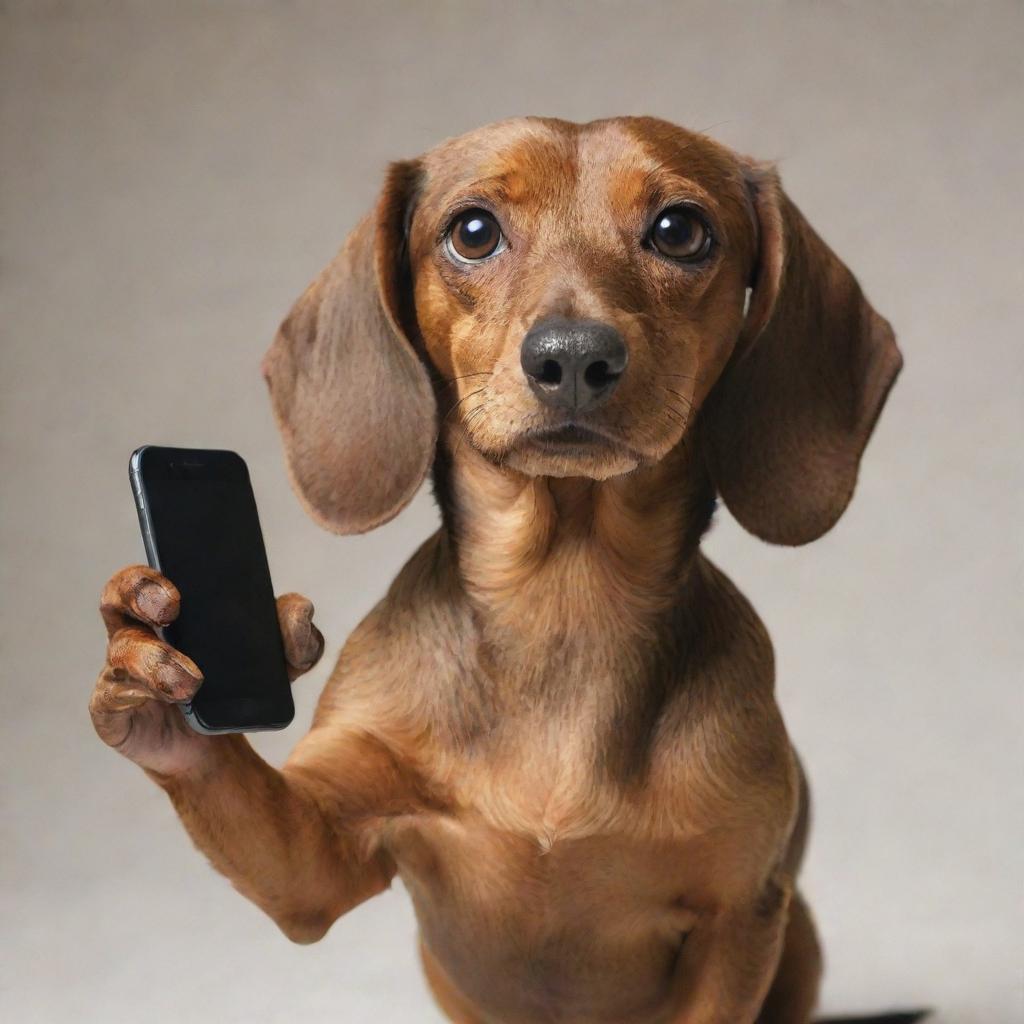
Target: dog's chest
column 563, row 763
column 556, row 738
column 567, row 751
column 528, row 828
column 537, row 780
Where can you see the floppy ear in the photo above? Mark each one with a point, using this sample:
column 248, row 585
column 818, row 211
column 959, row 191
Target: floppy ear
column 351, row 397
column 790, row 417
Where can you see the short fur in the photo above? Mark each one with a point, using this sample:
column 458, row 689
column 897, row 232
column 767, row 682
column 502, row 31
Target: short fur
column 559, row 725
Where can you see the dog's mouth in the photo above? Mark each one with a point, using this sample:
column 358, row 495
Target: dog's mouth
column 572, row 449
column 566, row 438
column 573, row 445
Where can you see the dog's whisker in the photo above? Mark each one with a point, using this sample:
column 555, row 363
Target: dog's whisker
column 465, row 376
column 688, row 401
column 718, row 124
column 477, row 409
column 675, row 416
column 465, row 398
column 470, row 416
column 678, row 394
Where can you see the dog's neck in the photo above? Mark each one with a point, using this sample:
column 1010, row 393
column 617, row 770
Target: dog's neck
column 543, row 557
column 580, row 598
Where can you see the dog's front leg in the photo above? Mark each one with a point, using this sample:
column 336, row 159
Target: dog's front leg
column 294, row 844
column 730, row 959
column 295, row 841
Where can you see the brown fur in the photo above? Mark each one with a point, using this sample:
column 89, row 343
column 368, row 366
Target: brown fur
column 559, row 725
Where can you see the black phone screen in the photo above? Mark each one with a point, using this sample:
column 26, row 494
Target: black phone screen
column 204, row 535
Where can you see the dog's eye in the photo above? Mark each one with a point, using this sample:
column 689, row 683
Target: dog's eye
column 680, row 233
column 474, row 236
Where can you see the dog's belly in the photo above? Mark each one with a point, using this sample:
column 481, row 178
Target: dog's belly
column 589, row 931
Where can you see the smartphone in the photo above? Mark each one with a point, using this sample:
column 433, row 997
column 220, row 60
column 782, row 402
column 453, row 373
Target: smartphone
column 201, row 530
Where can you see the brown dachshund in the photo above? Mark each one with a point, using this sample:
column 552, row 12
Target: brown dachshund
column 559, row 726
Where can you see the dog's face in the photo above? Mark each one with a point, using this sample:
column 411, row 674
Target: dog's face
column 579, row 288
column 573, row 296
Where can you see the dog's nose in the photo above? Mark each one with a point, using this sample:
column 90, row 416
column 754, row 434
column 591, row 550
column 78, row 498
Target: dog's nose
column 573, row 364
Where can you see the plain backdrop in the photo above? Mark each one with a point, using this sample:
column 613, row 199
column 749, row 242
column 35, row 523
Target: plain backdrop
column 173, row 174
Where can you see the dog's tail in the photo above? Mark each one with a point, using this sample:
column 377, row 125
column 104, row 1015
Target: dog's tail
column 896, row 1017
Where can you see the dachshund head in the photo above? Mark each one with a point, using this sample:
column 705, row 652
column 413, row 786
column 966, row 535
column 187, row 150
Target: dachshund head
column 575, row 299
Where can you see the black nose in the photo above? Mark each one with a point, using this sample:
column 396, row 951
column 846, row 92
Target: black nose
column 573, row 364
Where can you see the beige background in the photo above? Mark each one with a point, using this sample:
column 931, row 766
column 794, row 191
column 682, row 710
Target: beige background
column 174, row 173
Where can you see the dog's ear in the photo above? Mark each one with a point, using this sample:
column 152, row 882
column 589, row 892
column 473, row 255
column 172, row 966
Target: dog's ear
column 789, row 419
column 352, row 399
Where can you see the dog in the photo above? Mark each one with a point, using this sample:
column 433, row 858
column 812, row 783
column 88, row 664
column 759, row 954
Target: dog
column 559, row 725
